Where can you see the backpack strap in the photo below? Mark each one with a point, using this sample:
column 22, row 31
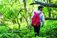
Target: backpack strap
column 39, row 13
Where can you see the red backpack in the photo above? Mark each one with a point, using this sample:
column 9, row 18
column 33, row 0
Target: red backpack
column 36, row 19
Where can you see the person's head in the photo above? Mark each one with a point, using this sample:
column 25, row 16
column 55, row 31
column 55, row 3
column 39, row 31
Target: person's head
column 40, row 7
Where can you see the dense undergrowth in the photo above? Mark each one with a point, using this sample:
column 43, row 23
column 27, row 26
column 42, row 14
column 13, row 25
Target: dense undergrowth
column 48, row 30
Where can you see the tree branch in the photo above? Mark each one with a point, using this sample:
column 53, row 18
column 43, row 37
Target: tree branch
column 50, row 18
column 45, row 4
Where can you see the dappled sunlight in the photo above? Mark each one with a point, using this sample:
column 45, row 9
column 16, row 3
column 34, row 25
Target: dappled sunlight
column 16, row 18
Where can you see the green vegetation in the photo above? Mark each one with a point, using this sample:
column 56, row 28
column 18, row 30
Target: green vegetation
column 15, row 19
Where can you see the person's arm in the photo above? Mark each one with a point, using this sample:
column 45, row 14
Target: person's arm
column 42, row 20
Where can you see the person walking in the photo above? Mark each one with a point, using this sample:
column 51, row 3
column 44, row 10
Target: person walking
column 37, row 19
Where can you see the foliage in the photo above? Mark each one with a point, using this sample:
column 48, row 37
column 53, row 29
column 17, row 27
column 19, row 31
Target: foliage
column 15, row 17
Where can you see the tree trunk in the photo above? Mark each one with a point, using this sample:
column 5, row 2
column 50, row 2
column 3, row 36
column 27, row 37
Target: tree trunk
column 18, row 23
column 49, row 9
column 24, row 1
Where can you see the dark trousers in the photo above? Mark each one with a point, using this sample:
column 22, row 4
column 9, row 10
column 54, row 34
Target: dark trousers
column 37, row 30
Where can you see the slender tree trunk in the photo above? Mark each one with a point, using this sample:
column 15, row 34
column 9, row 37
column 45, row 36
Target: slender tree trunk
column 18, row 23
column 49, row 9
column 24, row 1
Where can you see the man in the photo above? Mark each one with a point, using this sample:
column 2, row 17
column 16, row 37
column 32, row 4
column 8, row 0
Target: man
column 41, row 15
